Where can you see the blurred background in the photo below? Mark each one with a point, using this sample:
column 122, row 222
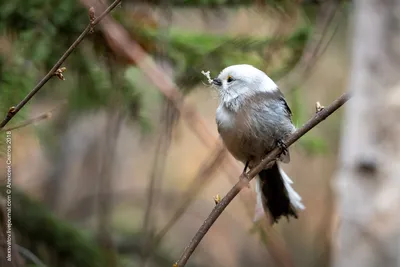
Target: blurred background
column 111, row 169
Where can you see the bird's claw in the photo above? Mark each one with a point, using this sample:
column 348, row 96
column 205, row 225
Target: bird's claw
column 283, row 146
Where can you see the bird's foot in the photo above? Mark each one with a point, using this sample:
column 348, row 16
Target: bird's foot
column 245, row 166
column 244, row 174
column 281, row 144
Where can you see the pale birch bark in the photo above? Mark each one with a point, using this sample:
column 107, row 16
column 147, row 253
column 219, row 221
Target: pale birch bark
column 368, row 182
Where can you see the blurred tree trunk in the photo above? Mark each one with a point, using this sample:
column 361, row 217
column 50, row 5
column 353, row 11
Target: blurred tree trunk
column 368, row 183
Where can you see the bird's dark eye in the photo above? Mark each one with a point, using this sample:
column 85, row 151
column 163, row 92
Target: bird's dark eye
column 230, row 79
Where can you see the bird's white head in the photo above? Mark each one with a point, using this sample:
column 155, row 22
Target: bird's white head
column 242, row 80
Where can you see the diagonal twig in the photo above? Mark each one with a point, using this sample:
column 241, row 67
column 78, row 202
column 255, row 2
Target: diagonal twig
column 29, row 255
column 244, row 179
column 41, row 117
column 56, row 71
column 121, row 43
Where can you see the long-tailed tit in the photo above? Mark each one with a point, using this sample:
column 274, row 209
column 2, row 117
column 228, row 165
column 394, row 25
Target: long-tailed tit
column 253, row 118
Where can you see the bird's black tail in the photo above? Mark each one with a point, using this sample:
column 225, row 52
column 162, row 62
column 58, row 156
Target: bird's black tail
column 275, row 196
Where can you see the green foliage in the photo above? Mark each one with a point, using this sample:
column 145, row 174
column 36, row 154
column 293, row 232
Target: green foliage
column 39, row 23
column 38, row 226
column 15, row 81
column 191, row 53
column 313, row 144
column 145, row 93
column 41, row 30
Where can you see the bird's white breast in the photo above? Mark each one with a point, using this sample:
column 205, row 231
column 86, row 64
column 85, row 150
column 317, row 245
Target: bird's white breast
column 225, row 119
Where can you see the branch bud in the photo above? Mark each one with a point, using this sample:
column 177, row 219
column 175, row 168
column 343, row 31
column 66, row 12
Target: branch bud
column 59, row 72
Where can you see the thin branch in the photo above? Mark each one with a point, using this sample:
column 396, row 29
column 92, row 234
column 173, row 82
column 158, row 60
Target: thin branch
column 123, row 45
column 29, row 255
column 155, row 181
column 244, row 179
column 333, row 34
column 41, row 117
column 275, row 244
column 56, row 71
column 158, row 167
column 105, row 205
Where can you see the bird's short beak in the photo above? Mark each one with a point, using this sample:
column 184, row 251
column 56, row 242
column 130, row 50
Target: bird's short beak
column 217, row 82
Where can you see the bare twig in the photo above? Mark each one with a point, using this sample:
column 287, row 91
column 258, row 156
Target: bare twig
column 163, row 144
column 105, row 185
column 27, row 122
column 56, row 70
column 41, row 117
column 244, row 179
column 334, row 31
column 155, row 181
column 123, row 45
column 29, row 255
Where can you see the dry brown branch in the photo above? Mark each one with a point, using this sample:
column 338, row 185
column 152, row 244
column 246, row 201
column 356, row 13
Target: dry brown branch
column 56, row 70
column 244, row 179
column 275, row 245
column 123, row 45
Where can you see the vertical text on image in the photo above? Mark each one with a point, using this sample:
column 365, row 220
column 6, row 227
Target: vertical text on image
column 8, row 193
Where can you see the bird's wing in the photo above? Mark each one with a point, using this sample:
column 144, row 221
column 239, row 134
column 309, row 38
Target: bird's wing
column 287, row 108
column 285, row 157
column 276, row 101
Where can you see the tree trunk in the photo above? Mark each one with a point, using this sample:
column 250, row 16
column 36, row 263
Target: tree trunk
column 368, row 182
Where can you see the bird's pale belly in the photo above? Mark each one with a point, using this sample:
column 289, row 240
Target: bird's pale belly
column 244, row 146
column 244, row 142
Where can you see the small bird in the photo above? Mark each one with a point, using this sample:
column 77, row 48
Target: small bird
column 253, row 118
